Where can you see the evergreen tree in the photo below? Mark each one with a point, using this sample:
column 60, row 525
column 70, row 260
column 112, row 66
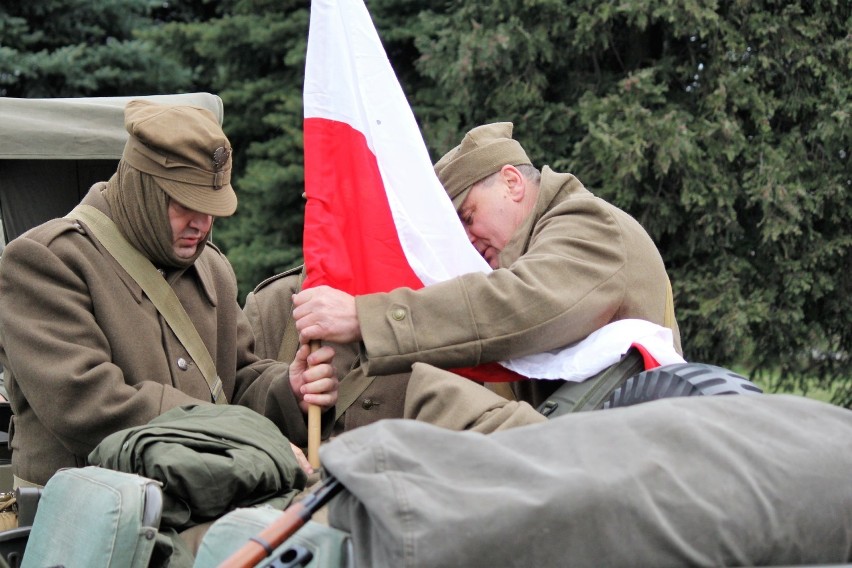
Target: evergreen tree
column 723, row 127
column 44, row 52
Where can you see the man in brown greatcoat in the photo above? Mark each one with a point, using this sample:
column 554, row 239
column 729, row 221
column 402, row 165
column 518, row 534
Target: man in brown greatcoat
column 565, row 262
column 86, row 353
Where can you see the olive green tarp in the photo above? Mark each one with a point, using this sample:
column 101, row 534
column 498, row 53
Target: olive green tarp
column 689, row 481
column 53, row 150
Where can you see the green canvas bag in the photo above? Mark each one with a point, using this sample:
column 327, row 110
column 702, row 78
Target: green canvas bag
column 93, row 516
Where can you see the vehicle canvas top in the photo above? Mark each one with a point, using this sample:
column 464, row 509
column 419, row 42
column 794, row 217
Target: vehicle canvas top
column 76, row 128
column 53, row 150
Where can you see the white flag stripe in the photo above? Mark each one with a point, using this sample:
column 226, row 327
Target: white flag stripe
column 598, row 351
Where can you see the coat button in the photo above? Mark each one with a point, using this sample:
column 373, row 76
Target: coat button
column 182, row 364
column 368, row 403
column 398, row 314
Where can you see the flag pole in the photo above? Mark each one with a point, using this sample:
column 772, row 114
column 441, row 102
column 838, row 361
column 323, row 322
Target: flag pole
column 314, row 424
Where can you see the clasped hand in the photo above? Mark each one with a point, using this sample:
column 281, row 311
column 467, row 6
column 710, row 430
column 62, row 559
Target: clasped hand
column 313, row 378
column 327, row 314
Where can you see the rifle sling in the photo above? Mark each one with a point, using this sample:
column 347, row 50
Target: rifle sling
column 594, row 391
column 290, row 340
column 156, row 288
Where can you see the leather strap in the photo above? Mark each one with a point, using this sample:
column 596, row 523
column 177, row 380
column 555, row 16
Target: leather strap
column 156, row 288
column 669, row 316
column 18, row 482
column 290, row 340
column 594, row 391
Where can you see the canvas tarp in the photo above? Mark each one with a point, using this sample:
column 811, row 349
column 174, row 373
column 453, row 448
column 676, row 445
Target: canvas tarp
column 53, row 150
column 76, row 128
column 697, row 481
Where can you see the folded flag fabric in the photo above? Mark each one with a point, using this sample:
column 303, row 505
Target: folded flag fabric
column 601, row 349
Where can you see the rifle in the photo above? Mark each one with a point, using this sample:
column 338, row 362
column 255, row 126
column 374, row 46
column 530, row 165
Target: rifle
column 296, row 515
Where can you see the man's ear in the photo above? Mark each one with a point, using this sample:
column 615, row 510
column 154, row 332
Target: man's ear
column 515, row 182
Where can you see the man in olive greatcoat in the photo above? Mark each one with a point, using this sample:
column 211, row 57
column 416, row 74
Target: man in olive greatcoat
column 86, row 353
column 566, row 263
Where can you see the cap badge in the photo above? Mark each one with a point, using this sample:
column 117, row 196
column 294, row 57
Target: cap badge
column 220, row 157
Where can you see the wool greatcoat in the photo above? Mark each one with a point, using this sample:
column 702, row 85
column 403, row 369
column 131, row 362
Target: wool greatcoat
column 576, row 264
column 87, row 354
column 361, row 399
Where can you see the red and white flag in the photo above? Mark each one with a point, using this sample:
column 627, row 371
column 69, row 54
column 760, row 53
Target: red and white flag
column 376, row 217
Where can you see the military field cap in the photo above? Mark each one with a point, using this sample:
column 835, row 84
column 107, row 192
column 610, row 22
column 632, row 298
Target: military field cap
column 185, row 150
column 483, row 151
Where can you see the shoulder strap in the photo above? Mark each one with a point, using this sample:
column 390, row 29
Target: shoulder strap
column 290, row 340
column 157, row 290
column 669, row 317
column 594, row 391
column 289, row 343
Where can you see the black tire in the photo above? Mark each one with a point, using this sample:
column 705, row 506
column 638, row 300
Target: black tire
column 683, row 379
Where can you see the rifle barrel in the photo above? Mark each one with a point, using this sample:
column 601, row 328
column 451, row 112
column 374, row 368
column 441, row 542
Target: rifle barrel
column 296, row 515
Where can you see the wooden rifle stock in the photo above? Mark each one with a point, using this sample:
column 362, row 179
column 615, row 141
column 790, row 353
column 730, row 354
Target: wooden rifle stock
column 296, row 515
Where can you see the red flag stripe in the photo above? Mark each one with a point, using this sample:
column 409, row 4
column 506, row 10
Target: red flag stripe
column 350, row 239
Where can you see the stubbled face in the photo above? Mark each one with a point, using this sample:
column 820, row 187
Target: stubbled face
column 189, row 229
column 490, row 217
